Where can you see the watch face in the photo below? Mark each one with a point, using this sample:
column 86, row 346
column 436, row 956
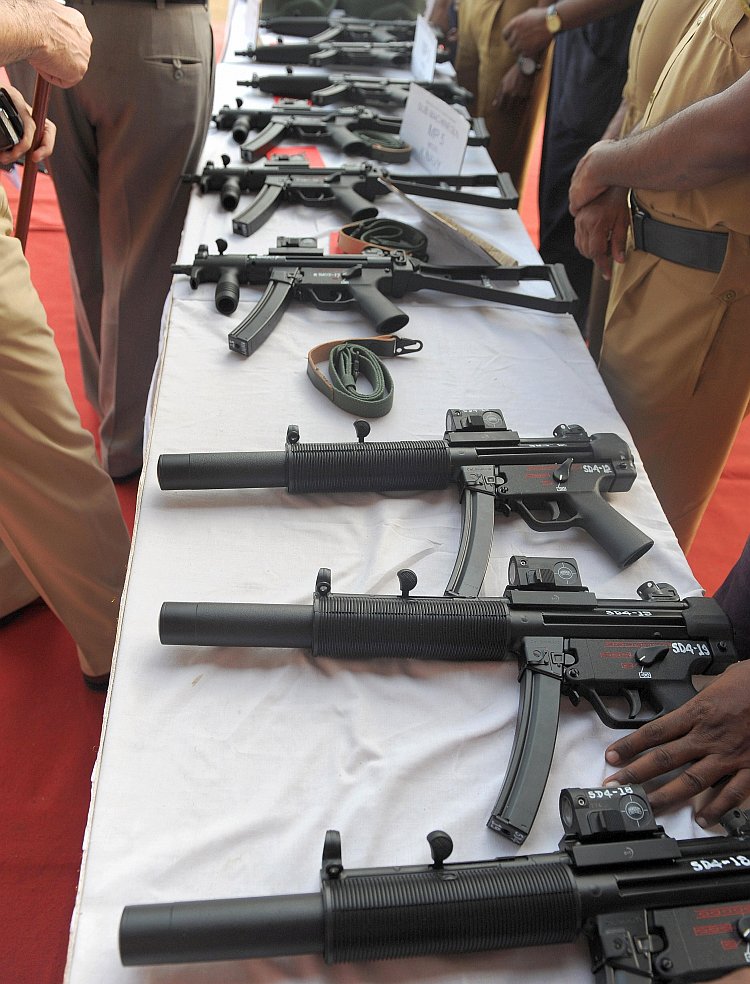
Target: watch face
column 527, row 65
column 554, row 24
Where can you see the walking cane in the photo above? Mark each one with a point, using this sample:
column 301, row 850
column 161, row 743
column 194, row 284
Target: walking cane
column 39, row 114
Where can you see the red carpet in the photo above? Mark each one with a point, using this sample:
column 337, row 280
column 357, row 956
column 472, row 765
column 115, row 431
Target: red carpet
column 50, row 724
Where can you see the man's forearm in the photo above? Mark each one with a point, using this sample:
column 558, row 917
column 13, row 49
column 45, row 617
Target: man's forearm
column 51, row 37
column 699, row 146
column 22, row 31
column 578, row 13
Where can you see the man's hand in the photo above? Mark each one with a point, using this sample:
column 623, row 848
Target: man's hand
column 586, row 184
column 708, row 738
column 29, row 129
column 440, row 16
column 514, row 89
column 63, row 53
column 602, row 229
column 527, row 33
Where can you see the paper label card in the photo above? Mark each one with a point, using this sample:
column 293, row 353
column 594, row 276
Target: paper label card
column 437, row 132
column 424, row 51
column 252, row 17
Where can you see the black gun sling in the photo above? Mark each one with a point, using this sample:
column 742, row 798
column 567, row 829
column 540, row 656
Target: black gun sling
column 696, row 248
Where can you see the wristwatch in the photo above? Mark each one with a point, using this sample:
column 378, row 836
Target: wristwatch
column 554, row 24
column 527, row 65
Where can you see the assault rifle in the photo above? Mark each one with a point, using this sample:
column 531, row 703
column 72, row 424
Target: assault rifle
column 554, row 483
column 323, row 29
column 351, row 129
column 361, row 89
column 652, row 908
column 385, row 54
column 350, row 188
column 566, row 641
column 298, row 270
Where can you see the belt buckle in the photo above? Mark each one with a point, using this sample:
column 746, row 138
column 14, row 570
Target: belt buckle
column 637, row 219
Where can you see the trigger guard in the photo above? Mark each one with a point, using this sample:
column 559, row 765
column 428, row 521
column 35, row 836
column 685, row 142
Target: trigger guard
column 605, row 715
column 542, row 525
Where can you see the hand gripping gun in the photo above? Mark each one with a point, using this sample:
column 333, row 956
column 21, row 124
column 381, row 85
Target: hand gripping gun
column 384, row 54
column 351, row 129
column 350, row 188
column 298, row 270
column 566, row 641
column 363, row 90
column 651, row 908
column 323, row 29
column 554, row 483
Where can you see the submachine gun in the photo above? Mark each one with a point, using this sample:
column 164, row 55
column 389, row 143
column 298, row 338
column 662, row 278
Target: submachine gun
column 652, row 908
column 554, row 483
column 363, row 90
column 322, row 29
column 353, row 130
column 298, row 269
column 567, row 642
column 349, row 188
column 385, row 54
column 350, row 129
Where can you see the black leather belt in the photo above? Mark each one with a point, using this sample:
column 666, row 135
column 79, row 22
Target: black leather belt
column 696, row 248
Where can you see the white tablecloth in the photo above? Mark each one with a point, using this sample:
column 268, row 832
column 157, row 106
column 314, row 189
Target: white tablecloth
column 221, row 769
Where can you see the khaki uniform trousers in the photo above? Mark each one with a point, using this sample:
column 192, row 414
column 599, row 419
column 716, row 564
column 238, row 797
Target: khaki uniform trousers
column 676, row 361
column 61, row 530
column 125, row 135
column 482, row 60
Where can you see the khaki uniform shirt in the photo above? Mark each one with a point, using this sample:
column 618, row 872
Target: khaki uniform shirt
column 713, row 54
column 660, row 25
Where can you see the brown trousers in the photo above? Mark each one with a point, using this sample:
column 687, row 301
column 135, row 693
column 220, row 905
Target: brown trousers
column 61, row 530
column 125, row 134
column 676, row 360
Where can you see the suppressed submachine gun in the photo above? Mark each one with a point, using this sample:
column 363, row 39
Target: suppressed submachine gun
column 385, row 54
column 323, row 29
column 349, row 188
column 554, row 483
column 566, row 640
column 652, row 908
column 363, row 90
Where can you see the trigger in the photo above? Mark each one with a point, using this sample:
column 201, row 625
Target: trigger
column 553, row 509
column 634, row 702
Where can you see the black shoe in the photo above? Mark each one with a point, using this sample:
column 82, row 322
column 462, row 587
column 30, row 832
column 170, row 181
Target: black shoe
column 12, row 616
column 122, row 479
column 99, row 684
